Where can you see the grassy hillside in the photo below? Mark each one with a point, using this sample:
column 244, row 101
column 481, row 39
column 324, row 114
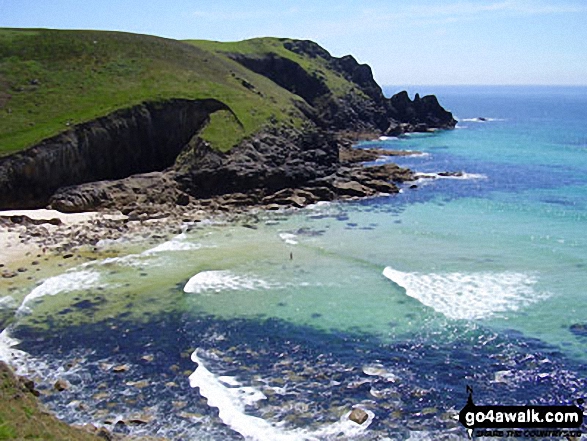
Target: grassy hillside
column 22, row 419
column 52, row 79
column 315, row 66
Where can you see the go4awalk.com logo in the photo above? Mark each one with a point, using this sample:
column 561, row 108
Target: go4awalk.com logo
column 516, row 421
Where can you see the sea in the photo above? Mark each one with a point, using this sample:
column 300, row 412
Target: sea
column 279, row 324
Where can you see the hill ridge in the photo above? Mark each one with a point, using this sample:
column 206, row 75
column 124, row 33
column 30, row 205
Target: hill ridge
column 98, row 92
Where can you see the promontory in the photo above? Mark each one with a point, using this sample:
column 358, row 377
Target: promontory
column 95, row 119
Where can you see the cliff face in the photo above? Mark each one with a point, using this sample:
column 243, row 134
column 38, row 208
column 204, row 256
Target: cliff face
column 144, row 138
column 362, row 108
column 335, row 95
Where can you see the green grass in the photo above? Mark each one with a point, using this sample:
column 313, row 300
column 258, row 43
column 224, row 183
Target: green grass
column 259, row 46
column 51, row 79
column 21, row 418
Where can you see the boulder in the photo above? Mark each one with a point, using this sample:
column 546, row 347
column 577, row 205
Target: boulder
column 358, row 415
column 381, row 186
column 351, row 188
column 61, row 385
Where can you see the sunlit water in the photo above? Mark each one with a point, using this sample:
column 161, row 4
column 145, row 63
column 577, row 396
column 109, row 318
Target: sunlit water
column 276, row 326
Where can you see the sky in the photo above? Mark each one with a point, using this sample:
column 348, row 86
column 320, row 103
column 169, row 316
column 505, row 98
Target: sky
column 415, row 42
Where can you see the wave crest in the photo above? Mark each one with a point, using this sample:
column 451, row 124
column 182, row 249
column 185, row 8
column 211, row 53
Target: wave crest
column 469, row 296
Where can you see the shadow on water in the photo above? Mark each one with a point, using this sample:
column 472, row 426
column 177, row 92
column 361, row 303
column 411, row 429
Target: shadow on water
column 415, row 384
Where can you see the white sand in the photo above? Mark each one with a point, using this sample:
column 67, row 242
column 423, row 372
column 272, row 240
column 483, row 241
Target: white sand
column 12, row 250
column 44, row 214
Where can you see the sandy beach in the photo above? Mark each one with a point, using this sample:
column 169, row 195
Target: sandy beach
column 14, row 246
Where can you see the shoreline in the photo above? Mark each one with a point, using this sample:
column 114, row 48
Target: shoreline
column 27, row 236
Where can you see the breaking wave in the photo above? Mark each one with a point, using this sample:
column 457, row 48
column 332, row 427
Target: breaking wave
column 217, row 281
column 469, row 296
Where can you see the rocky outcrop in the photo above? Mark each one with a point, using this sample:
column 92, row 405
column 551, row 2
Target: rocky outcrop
column 286, row 167
column 365, row 109
column 270, row 161
column 146, row 192
column 286, row 73
column 141, row 139
column 418, row 115
column 117, row 160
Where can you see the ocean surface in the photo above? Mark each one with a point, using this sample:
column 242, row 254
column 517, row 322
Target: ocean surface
column 276, row 326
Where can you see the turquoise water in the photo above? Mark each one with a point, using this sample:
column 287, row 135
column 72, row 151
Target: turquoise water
column 275, row 326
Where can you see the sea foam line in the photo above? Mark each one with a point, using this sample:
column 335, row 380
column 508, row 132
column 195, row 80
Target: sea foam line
column 289, row 238
column 222, row 280
column 469, row 296
column 226, row 394
column 462, row 176
column 72, row 280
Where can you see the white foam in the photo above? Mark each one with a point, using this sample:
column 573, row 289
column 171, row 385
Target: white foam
column 289, row 238
column 10, row 355
column 68, row 281
column 175, row 244
column 132, row 260
column 231, row 407
column 461, row 175
column 218, row 281
column 387, row 138
column 378, row 370
column 469, row 296
column 230, row 399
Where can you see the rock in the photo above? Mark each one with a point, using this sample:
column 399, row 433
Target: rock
column 61, row 385
column 9, row 274
column 101, row 396
column 120, row 368
column 450, row 174
column 148, row 358
column 109, row 162
column 22, row 270
column 579, row 329
column 138, row 384
column 104, row 434
column 358, row 415
column 381, row 186
column 142, row 138
column 352, row 188
column 183, row 200
column 139, row 420
column 29, row 386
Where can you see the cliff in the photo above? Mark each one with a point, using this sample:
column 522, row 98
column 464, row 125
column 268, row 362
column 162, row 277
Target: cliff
column 256, row 117
column 141, row 139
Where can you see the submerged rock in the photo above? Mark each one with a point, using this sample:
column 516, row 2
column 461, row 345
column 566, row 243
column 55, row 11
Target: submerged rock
column 121, row 368
column 61, row 385
column 579, row 329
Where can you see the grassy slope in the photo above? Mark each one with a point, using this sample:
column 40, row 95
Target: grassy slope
column 50, row 79
column 257, row 46
column 21, row 418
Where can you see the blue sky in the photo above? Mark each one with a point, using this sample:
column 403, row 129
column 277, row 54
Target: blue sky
column 405, row 42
